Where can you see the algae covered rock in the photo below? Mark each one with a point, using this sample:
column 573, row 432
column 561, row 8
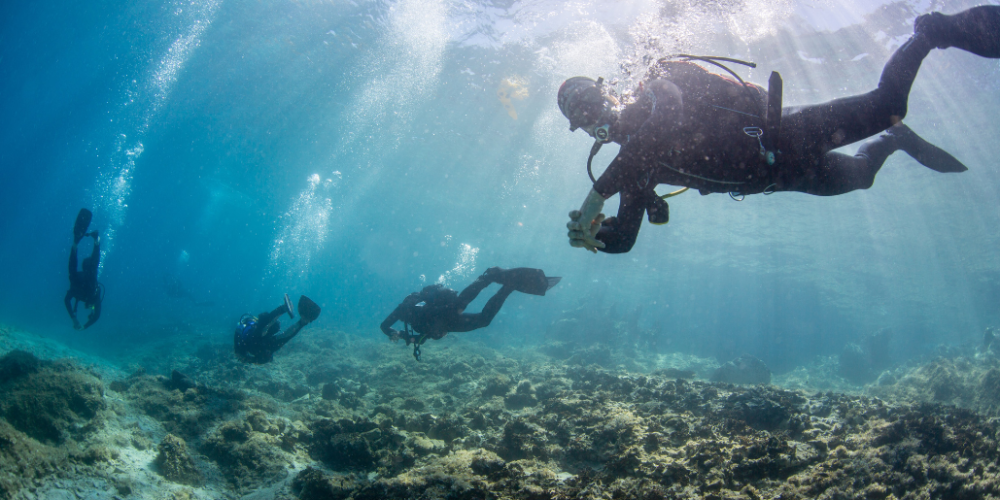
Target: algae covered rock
column 312, row 484
column 18, row 363
column 247, row 457
column 175, row 463
column 185, row 409
column 745, row 369
column 49, row 401
column 24, row 461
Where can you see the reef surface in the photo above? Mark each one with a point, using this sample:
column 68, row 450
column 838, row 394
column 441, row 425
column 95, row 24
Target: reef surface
column 340, row 416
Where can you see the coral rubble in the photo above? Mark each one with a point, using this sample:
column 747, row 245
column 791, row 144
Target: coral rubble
column 339, row 417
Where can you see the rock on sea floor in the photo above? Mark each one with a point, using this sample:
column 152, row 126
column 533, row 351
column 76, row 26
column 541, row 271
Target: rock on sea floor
column 339, row 416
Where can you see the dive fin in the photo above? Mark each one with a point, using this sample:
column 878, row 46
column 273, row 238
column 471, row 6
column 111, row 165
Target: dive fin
column 526, row 280
column 82, row 223
column 924, row 152
column 308, row 310
column 552, row 282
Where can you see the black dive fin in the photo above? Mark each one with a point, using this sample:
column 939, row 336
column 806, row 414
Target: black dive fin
column 552, row 282
column 526, row 280
column 82, row 223
column 924, row 152
column 288, row 306
column 308, row 310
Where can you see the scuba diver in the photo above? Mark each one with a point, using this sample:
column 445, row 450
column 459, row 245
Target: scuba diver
column 437, row 310
column 83, row 285
column 176, row 290
column 689, row 127
column 257, row 338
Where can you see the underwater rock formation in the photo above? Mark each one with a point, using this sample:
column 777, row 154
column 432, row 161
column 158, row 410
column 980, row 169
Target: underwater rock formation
column 49, row 401
column 175, row 463
column 249, row 451
column 23, row 461
column 745, row 369
column 961, row 381
column 185, row 413
column 619, row 436
column 471, row 423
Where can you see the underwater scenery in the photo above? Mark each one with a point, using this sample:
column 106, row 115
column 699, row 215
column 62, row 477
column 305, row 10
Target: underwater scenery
column 500, row 249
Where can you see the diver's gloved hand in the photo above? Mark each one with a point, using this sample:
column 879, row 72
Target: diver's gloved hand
column 585, row 223
column 77, row 325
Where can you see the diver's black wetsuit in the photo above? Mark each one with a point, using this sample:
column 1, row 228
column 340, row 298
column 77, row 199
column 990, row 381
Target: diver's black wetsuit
column 686, row 128
column 259, row 344
column 435, row 317
column 83, row 286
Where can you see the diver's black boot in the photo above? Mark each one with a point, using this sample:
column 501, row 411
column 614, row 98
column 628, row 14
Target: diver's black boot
column 976, row 30
column 526, row 280
column 492, row 274
column 924, row 152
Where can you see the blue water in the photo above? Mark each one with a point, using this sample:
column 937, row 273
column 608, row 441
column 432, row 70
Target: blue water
column 355, row 151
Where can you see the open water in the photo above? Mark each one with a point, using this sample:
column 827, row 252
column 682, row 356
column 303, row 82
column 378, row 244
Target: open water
column 357, row 151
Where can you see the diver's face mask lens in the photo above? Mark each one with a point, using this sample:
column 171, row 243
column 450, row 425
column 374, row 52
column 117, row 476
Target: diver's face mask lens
column 587, row 110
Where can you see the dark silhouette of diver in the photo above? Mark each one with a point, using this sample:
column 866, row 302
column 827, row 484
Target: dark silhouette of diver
column 689, row 127
column 257, row 338
column 175, row 289
column 83, row 285
column 437, row 310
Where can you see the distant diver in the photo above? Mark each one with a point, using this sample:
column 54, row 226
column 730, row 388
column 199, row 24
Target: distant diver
column 437, row 310
column 175, row 289
column 83, row 285
column 693, row 128
column 257, row 338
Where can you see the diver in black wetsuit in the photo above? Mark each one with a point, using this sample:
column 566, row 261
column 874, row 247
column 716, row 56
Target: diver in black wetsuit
column 437, row 310
column 257, row 338
column 83, row 285
column 688, row 127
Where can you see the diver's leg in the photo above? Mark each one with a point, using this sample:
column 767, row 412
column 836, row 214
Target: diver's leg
column 276, row 341
column 809, row 132
column 469, row 322
column 472, row 291
column 976, row 30
column 839, row 173
column 269, row 317
column 72, row 262
column 90, row 264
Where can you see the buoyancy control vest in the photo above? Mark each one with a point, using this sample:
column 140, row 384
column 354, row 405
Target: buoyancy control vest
column 731, row 127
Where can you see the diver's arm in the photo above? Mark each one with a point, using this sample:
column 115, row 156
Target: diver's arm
column 69, row 308
column 619, row 233
column 94, row 315
column 584, row 223
column 386, row 325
